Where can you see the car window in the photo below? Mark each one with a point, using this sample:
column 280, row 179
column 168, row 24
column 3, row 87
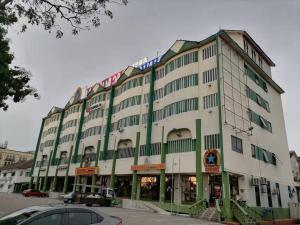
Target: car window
column 53, row 219
column 79, row 218
column 96, row 218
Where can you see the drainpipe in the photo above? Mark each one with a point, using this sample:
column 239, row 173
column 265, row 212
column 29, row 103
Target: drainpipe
column 225, row 175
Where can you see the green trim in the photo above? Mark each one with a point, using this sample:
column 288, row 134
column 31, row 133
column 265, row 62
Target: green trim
column 54, row 185
column 199, row 174
column 74, row 158
column 57, row 137
column 162, row 186
column 96, row 164
column 36, row 153
column 279, row 213
column 108, row 122
column 134, row 176
column 47, row 171
column 66, row 181
column 150, row 112
column 225, row 176
column 113, row 169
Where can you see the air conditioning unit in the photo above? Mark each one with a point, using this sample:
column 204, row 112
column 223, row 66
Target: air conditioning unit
column 209, row 84
column 121, row 129
column 263, row 181
column 254, row 181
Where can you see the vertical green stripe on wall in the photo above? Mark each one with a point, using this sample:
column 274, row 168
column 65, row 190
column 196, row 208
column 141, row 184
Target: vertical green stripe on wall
column 96, row 164
column 108, row 123
column 225, row 175
column 47, row 171
column 36, row 153
column 66, row 181
column 199, row 175
column 162, row 185
column 150, row 112
column 57, row 137
column 78, row 137
column 135, row 162
column 113, row 169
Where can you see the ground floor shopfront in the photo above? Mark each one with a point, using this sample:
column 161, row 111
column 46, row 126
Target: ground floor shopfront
column 177, row 188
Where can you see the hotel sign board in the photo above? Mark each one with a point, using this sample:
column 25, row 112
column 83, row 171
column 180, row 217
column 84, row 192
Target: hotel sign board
column 146, row 167
column 212, row 161
column 150, row 63
column 87, row 170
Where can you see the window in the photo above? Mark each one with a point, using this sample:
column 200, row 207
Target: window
column 269, row 194
column 253, row 54
column 210, row 75
column 254, row 77
column 246, row 47
column 259, row 120
column 258, row 99
column 278, row 195
column 79, row 218
column 257, row 196
column 181, row 61
column 260, row 62
column 132, row 101
column 212, row 141
column 265, row 156
column 54, row 219
column 209, row 51
column 183, row 82
column 210, row 101
column 253, row 151
column 236, row 144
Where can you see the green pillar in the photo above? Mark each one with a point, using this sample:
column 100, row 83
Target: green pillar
column 108, row 122
column 47, row 171
column 41, row 183
column 134, row 176
column 54, row 185
column 199, row 174
column 78, row 181
column 162, row 187
column 57, row 137
column 113, row 169
column 150, row 112
column 36, row 153
column 66, row 181
column 78, row 136
column 96, row 165
column 225, row 175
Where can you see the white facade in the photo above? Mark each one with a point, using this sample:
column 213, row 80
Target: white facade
column 186, row 89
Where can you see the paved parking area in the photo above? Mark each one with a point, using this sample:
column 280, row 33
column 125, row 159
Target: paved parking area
column 12, row 202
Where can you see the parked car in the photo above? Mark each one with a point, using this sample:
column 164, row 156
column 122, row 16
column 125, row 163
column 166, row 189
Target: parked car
column 70, row 198
column 32, row 192
column 59, row 215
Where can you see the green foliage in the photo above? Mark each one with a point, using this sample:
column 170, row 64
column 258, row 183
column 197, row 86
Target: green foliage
column 79, row 14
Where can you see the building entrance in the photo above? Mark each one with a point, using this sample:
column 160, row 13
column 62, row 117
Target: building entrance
column 215, row 188
column 123, row 186
column 150, row 188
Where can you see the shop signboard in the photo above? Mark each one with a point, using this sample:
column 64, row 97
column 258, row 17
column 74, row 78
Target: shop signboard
column 87, row 170
column 146, row 167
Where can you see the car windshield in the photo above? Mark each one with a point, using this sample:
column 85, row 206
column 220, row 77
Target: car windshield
column 19, row 216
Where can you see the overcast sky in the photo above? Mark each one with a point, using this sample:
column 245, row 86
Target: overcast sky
column 141, row 29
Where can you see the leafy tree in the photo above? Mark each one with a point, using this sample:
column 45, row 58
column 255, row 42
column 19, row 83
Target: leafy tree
column 50, row 14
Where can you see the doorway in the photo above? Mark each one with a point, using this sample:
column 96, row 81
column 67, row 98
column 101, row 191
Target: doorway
column 150, row 188
column 215, row 188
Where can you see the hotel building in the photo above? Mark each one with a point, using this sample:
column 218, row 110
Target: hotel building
column 203, row 121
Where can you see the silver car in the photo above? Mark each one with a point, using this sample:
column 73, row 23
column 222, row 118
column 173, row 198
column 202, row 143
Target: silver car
column 58, row 215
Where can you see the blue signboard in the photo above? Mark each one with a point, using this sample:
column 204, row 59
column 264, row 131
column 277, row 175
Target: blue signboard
column 150, row 63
